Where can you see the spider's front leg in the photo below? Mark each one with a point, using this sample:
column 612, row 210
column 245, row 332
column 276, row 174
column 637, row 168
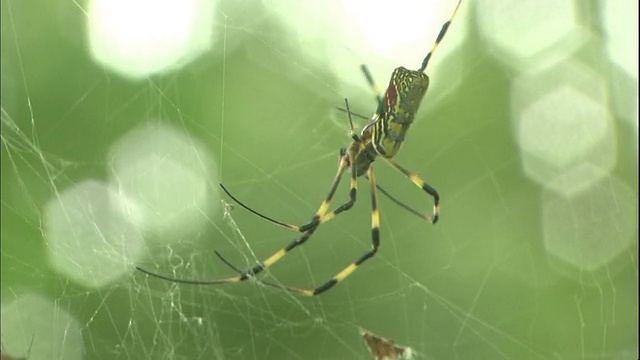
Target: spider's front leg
column 308, row 229
column 322, row 215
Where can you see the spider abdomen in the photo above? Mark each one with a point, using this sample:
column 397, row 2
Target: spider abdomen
column 395, row 115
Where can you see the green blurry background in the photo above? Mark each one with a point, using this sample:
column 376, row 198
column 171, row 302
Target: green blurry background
column 479, row 284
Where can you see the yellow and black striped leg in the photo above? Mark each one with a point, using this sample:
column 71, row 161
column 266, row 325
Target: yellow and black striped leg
column 441, row 34
column 321, row 216
column 342, row 167
column 353, row 191
column 424, row 186
column 375, row 244
column 259, row 267
column 375, row 241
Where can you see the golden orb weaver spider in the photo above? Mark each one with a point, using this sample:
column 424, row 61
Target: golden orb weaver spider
column 381, row 136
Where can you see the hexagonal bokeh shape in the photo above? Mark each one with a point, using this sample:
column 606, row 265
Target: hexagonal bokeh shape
column 35, row 326
column 620, row 21
column 553, row 141
column 589, row 229
column 562, row 123
column 553, row 130
column 89, row 239
column 168, row 175
column 618, row 18
column 539, row 32
column 142, row 38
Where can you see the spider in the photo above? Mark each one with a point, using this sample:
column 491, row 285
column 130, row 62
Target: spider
column 381, row 137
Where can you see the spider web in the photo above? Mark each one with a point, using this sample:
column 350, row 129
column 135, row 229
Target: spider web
column 101, row 173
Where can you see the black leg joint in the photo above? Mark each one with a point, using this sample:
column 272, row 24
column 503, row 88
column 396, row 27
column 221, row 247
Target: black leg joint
column 311, row 225
column 324, row 287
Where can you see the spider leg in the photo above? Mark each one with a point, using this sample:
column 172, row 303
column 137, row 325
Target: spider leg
column 403, row 205
column 354, row 114
column 441, row 35
column 349, row 269
column 321, row 214
column 228, row 280
column 424, row 186
column 308, row 229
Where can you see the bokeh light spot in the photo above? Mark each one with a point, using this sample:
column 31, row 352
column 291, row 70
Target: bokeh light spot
column 539, row 33
column 589, row 229
column 56, row 334
column 138, row 38
column 561, row 122
column 89, row 240
column 168, row 175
